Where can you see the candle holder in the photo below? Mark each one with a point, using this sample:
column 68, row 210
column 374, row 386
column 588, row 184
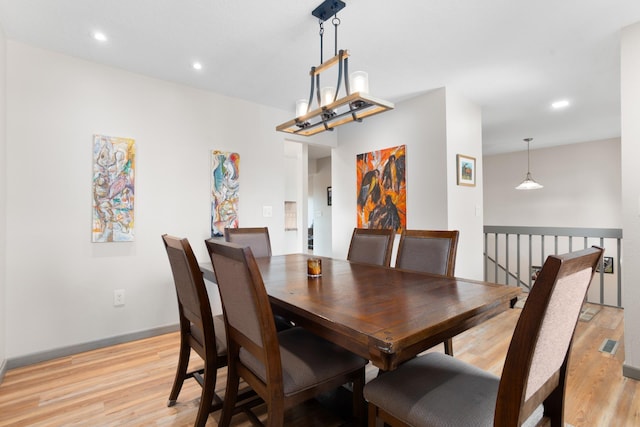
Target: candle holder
column 314, row 267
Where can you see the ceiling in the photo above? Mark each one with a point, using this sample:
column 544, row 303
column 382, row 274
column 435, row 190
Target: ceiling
column 512, row 58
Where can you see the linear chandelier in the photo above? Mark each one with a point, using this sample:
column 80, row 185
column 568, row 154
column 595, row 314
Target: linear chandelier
column 529, row 183
column 332, row 111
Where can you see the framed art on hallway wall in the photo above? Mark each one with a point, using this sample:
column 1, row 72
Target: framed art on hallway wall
column 466, row 170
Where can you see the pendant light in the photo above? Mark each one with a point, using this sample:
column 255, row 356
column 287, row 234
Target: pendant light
column 331, row 110
column 529, row 183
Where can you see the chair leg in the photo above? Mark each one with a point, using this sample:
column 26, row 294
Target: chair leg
column 554, row 406
column 359, row 405
column 206, row 398
column 448, row 346
column 181, row 372
column 275, row 413
column 373, row 415
column 230, row 396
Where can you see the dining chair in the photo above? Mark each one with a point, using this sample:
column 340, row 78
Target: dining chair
column 371, row 246
column 429, row 251
column 199, row 329
column 437, row 389
column 284, row 368
column 257, row 238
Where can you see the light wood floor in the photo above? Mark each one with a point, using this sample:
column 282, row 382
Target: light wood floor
column 128, row 384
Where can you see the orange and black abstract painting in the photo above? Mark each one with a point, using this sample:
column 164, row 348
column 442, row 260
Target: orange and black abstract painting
column 382, row 189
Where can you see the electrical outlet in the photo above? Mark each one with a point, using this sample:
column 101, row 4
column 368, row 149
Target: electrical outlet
column 118, row 298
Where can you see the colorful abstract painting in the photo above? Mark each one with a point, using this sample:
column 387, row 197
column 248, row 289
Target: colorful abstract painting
column 113, row 189
column 382, row 189
column 225, row 170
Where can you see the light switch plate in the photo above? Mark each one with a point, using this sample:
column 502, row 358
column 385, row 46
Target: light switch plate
column 267, row 211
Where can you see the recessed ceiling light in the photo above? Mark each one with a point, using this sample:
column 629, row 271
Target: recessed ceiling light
column 101, row 37
column 563, row 103
column 197, row 66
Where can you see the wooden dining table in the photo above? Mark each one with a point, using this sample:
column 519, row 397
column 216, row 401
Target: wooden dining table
column 383, row 314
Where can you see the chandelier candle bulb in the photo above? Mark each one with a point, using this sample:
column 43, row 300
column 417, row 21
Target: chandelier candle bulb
column 326, row 95
column 359, row 82
column 302, row 107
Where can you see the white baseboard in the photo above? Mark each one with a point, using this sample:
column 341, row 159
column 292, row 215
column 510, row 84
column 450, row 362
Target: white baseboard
column 631, row 372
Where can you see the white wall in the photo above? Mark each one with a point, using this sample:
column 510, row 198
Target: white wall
column 3, row 201
column 420, row 123
column 581, row 186
column 60, row 284
column 464, row 136
column 321, row 212
column 630, row 90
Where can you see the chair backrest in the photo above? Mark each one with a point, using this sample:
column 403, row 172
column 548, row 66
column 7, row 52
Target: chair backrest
column 246, row 306
column 257, row 238
column 536, row 363
column 429, row 251
column 193, row 299
column 371, row 246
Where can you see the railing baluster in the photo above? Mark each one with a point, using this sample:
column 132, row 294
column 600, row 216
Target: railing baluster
column 530, row 260
column 495, row 253
column 506, row 262
column 518, row 261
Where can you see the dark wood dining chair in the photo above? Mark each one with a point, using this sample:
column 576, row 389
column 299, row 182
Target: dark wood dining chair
column 199, row 329
column 436, row 389
column 429, row 251
column 371, row 246
column 284, row 368
column 257, row 238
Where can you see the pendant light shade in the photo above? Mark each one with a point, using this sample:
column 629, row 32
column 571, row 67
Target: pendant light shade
column 529, row 183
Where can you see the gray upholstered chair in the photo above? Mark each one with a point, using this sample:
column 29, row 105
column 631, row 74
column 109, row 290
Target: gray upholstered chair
column 199, row 329
column 284, row 368
column 371, row 246
column 429, row 251
column 257, row 238
column 437, row 390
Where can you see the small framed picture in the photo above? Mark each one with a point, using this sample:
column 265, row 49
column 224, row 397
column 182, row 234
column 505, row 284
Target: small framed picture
column 607, row 263
column 466, row 170
column 535, row 272
column 328, row 196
